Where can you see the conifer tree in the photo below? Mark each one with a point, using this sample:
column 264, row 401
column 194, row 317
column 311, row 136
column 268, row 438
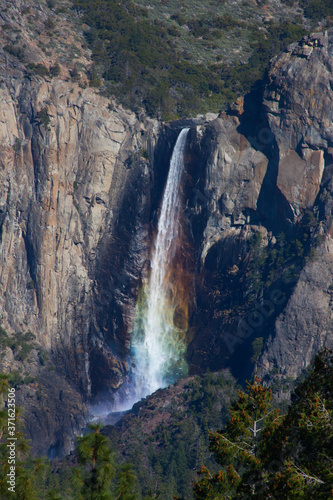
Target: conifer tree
column 125, row 487
column 264, row 455
column 93, row 481
column 304, row 440
column 237, row 447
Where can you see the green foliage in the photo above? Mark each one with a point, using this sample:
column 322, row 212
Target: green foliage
column 164, row 458
column 126, row 482
column 284, row 258
column 14, row 50
column 20, row 343
column 95, row 456
column 142, row 63
column 36, row 480
column 95, row 82
column 317, row 9
column 3, row 335
column 42, row 356
column 55, row 70
column 264, row 455
column 237, row 447
column 16, row 379
column 258, row 258
column 143, row 69
column 257, row 346
column 39, row 69
column 17, row 145
column 31, row 285
column 144, row 153
column 49, row 24
column 258, row 453
column 43, row 117
column 75, row 75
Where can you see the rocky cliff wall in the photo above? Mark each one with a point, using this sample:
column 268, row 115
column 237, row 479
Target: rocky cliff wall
column 298, row 100
column 268, row 169
column 74, row 181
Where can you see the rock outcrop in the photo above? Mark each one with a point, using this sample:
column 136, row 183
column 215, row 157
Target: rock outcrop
column 305, row 325
column 299, row 105
column 267, row 168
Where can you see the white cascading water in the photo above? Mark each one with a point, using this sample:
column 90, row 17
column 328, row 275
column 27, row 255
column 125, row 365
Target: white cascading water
column 158, row 345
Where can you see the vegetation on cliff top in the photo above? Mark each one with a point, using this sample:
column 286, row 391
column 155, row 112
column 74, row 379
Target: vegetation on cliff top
column 144, row 66
column 176, row 61
column 169, row 59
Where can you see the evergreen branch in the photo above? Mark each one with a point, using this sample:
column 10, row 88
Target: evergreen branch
column 308, row 479
column 239, row 447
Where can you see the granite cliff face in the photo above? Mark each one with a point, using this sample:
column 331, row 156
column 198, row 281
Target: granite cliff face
column 80, row 184
column 71, row 168
column 63, row 185
column 268, row 169
column 298, row 102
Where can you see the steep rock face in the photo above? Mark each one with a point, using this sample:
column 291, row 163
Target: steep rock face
column 233, row 178
column 267, row 168
column 67, row 160
column 298, row 102
column 76, row 206
column 305, row 326
column 223, row 210
column 57, row 200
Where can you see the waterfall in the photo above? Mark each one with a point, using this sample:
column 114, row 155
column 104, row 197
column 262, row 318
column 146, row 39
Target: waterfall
column 158, row 340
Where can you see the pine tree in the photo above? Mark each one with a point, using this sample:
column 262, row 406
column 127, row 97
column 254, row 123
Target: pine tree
column 125, row 487
column 237, row 447
column 304, row 440
column 264, row 455
column 93, row 480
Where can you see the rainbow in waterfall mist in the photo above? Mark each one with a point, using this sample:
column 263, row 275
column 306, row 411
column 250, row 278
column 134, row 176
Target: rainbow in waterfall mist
column 158, row 338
